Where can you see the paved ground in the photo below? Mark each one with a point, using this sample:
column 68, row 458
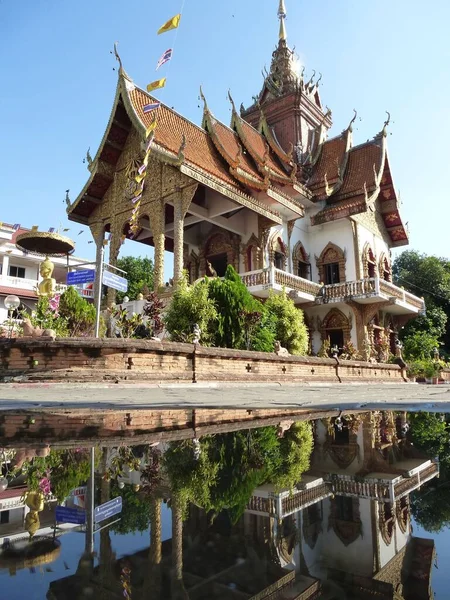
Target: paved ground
column 326, row 396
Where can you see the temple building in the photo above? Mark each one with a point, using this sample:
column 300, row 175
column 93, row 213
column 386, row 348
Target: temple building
column 271, row 194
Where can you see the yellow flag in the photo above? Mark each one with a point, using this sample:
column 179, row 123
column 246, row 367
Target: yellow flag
column 156, row 85
column 139, row 178
column 171, row 24
column 150, row 128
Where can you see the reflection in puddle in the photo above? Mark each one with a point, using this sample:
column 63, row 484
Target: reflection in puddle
column 277, row 506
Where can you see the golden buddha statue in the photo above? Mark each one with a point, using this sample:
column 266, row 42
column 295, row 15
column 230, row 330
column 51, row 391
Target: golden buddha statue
column 47, row 286
column 35, row 502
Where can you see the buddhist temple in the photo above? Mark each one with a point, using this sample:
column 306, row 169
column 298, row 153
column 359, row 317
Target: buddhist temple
column 271, row 193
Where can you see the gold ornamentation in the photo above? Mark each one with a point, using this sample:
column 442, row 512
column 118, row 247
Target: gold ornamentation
column 47, row 286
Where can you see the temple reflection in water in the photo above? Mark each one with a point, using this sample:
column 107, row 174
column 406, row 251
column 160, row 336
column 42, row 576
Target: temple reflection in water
column 344, row 531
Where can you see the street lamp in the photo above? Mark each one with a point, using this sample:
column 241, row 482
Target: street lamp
column 11, row 303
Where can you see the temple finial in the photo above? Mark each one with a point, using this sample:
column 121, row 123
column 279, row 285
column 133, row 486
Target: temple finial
column 282, row 17
column 386, row 123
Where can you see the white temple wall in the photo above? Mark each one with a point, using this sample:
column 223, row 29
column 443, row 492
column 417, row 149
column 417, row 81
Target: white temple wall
column 321, row 312
column 376, row 243
column 357, row 557
column 315, row 239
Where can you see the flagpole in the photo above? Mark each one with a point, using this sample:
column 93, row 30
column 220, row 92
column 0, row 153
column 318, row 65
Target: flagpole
column 98, row 288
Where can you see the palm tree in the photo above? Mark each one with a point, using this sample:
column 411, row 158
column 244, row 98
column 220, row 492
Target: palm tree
column 178, row 590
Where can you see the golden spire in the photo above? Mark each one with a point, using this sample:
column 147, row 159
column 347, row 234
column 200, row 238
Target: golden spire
column 282, row 17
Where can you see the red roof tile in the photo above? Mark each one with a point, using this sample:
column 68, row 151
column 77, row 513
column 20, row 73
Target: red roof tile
column 229, row 140
column 330, row 161
column 199, row 150
column 6, row 290
column 13, row 492
column 360, row 169
column 257, row 146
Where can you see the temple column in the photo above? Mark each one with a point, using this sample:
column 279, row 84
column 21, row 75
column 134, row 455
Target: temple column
column 181, row 204
column 157, row 223
column 178, row 590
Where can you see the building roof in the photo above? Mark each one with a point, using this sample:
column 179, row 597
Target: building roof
column 7, row 290
column 244, row 160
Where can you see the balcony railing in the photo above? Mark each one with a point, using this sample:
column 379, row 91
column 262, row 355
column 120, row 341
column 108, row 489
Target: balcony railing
column 272, row 278
column 19, row 282
column 372, row 286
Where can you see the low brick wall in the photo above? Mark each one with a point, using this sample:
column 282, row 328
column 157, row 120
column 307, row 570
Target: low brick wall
column 62, row 428
column 91, row 360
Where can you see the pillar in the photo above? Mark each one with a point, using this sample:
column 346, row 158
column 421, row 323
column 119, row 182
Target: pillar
column 182, row 201
column 97, row 231
column 157, row 223
column 5, row 266
column 114, row 249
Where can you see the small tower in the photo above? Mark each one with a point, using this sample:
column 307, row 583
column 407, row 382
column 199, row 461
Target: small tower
column 291, row 105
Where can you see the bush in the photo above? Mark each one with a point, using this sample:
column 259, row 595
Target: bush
column 191, row 305
column 296, row 448
column 78, row 313
column 236, row 311
column 288, row 323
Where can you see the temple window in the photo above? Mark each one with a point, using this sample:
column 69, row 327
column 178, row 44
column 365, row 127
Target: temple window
column 386, row 270
column 300, row 262
column 369, row 262
column 344, row 508
column 331, row 265
column 249, row 258
column 278, row 260
column 278, row 256
column 331, row 273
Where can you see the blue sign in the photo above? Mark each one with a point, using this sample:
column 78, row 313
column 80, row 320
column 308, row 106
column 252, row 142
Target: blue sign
column 83, row 276
column 115, row 281
column 63, row 514
column 109, row 509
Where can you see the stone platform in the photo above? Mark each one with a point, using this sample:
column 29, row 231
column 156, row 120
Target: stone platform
column 87, row 360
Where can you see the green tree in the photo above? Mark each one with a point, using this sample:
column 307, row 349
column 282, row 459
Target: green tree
column 430, row 433
column 191, row 304
column 427, row 276
column 135, row 515
column 288, row 323
column 296, row 447
column 234, row 304
column 139, row 273
column 78, row 313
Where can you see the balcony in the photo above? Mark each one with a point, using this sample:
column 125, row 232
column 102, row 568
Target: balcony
column 21, row 283
column 266, row 502
column 371, row 290
column 385, row 487
column 259, row 283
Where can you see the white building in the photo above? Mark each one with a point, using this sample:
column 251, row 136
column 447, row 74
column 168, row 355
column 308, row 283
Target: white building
column 19, row 271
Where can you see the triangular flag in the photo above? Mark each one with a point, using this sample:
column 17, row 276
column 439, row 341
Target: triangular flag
column 156, row 85
column 150, row 128
column 171, row 24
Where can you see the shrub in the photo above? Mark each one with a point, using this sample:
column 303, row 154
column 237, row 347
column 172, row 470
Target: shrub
column 191, row 304
column 78, row 313
column 234, row 304
column 288, row 323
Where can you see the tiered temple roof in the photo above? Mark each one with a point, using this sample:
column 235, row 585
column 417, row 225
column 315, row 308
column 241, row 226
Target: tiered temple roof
column 344, row 179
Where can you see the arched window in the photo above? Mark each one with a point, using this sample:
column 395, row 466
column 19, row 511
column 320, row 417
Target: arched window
column 331, row 264
column 384, row 268
column 369, row 262
column 300, row 262
column 277, row 253
column 251, row 253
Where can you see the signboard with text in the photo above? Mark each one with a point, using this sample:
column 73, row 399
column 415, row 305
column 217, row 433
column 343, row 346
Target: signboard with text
column 109, row 509
column 80, row 277
column 63, row 514
column 115, row 281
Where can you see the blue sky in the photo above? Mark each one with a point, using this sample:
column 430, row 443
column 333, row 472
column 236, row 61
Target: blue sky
column 57, row 87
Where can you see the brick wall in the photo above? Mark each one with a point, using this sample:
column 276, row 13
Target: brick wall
column 62, row 428
column 87, row 360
